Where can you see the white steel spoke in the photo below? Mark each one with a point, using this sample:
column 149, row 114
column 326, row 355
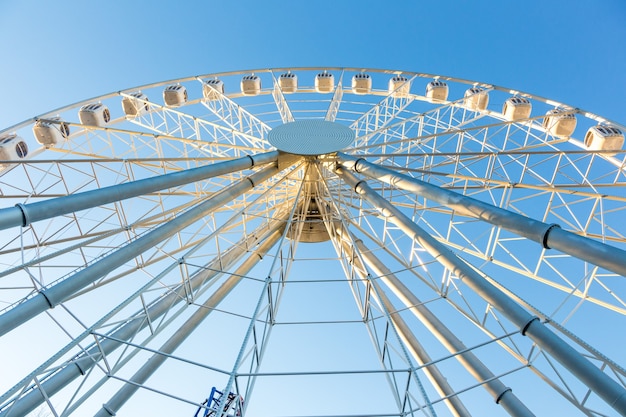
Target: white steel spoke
column 333, row 108
column 281, row 103
column 237, row 118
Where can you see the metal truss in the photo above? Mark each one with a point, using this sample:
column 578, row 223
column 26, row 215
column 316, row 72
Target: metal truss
column 451, row 261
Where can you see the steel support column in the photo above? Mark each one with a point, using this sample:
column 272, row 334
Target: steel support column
column 439, row 381
column 600, row 383
column 83, row 363
column 56, row 294
column 140, row 377
column 550, row 236
column 500, row 392
column 25, row 214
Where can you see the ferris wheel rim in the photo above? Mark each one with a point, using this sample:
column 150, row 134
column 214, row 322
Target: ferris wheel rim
column 576, row 109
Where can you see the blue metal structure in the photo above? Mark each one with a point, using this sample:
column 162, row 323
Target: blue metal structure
column 216, row 405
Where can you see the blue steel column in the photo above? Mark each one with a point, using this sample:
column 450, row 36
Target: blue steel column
column 50, row 297
column 548, row 235
column 600, row 383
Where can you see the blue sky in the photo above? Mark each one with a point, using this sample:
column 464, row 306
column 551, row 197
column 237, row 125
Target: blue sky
column 57, row 53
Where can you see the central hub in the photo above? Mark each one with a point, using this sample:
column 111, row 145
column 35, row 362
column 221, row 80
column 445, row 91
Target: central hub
column 311, row 137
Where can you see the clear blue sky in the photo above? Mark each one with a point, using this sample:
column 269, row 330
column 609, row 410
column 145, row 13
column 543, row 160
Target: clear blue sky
column 57, row 53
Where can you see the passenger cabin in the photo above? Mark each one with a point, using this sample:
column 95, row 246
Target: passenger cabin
column 250, row 85
column 560, row 122
column 476, row 99
column 604, row 138
column 212, row 89
column 51, row 131
column 324, row 82
column 399, row 86
column 361, row 84
column 517, row 108
column 288, row 82
column 12, row 148
column 437, row 90
column 135, row 104
column 175, row 95
column 94, row 114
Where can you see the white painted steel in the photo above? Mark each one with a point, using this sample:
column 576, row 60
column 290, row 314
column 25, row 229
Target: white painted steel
column 365, row 322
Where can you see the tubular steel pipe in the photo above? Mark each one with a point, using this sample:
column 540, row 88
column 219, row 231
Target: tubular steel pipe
column 439, row 381
column 82, row 364
column 550, row 236
column 25, row 214
column 502, row 394
column 123, row 394
column 600, row 383
column 50, row 297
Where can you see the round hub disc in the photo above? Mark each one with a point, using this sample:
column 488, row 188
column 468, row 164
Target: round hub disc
column 311, row 137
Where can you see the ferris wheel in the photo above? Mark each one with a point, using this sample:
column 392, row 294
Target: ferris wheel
column 313, row 242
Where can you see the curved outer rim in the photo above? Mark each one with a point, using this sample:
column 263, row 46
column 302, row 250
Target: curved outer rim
column 551, row 102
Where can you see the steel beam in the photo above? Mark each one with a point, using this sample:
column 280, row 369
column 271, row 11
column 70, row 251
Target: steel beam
column 439, row 381
column 281, row 104
column 379, row 116
column 84, row 362
column 139, row 378
column 500, row 392
column 600, row 383
column 236, row 116
column 25, row 214
column 550, row 236
column 56, row 294
column 191, row 128
column 333, row 108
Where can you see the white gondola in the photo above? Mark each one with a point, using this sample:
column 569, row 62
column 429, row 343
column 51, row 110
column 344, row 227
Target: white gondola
column 517, row 108
column 136, row 104
column 476, row 99
column 361, row 84
column 604, row 138
column 212, row 89
column 288, row 82
column 94, row 114
column 175, row 95
column 437, row 90
column 559, row 122
column 399, row 86
column 250, row 85
column 324, row 82
column 12, row 148
column 50, row 132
